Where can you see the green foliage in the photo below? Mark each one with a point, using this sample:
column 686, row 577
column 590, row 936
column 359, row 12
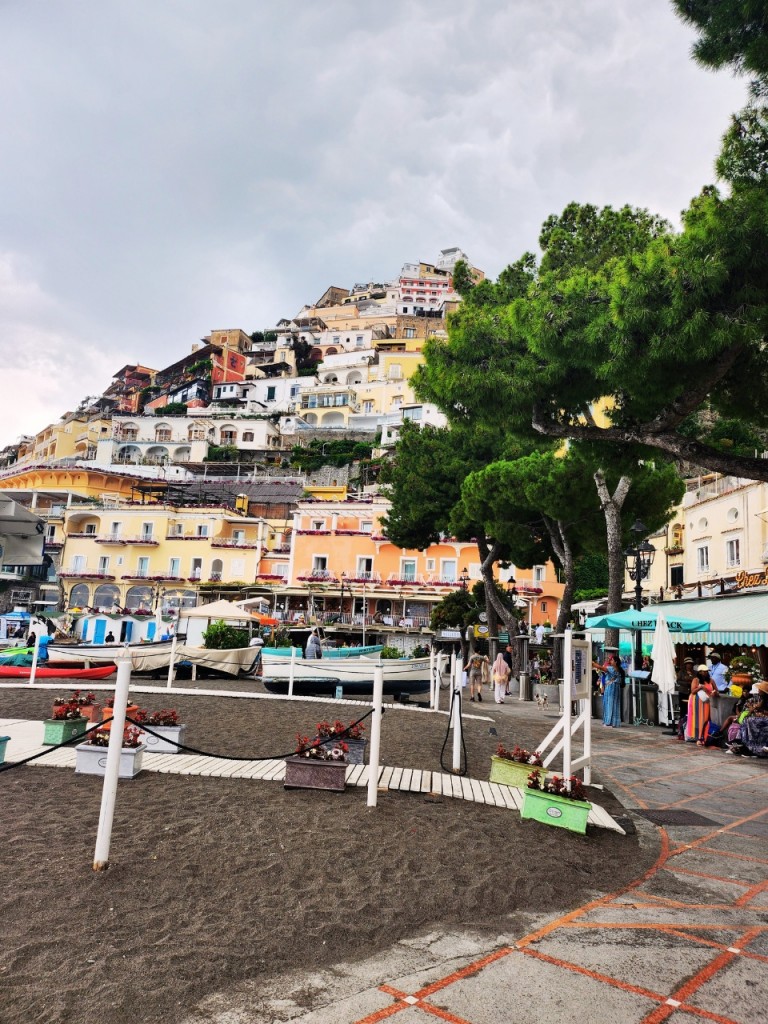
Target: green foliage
column 317, row 453
column 172, row 409
column 221, row 637
column 222, row 453
column 391, row 653
column 743, row 159
column 595, row 594
column 733, row 33
column 457, row 610
column 591, row 574
column 200, row 367
column 257, row 337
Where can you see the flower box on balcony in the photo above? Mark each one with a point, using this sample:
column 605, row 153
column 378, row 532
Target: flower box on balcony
column 314, row 533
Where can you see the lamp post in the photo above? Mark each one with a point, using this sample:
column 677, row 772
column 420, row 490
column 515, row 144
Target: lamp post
column 639, row 559
column 464, row 578
column 342, row 580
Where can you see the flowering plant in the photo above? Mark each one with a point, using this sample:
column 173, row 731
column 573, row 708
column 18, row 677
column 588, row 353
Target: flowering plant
column 571, row 788
column 312, row 749
column 168, row 716
column 76, row 698
column 353, row 731
column 743, row 664
column 65, row 712
column 520, row 755
column 131, row 737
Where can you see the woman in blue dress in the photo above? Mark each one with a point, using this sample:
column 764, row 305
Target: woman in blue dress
column 611, row 687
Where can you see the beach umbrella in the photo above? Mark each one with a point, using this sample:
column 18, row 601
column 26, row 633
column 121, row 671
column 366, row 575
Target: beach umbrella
column 663, row 654
column 645, row 619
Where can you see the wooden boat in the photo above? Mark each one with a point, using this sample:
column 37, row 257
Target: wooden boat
column 349, row 670
column 48, row 672
column 328, row 652
column 325, row 686
column 94, row 654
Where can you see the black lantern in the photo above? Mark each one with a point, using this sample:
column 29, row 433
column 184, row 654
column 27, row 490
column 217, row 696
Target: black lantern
column 639, row 559
column 464, row 578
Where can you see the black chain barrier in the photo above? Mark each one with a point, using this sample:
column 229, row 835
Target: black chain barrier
column 192, row 750
column 465, row 770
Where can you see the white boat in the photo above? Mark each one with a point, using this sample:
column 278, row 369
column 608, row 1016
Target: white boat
column 347, row 669
column 98, row 654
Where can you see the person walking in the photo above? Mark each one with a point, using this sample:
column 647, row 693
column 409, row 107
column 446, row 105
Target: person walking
column 611, row 687
column 699, row 712
column 474, row 670
column 500, row 678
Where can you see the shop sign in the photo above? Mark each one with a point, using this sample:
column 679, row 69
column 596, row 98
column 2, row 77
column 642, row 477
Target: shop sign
column 745, row 580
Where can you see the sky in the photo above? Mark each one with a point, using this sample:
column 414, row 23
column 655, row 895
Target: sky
column 170, row 167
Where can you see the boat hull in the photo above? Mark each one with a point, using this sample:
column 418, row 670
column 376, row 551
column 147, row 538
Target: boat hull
column 326, row 687
column 348, row 670
column 17, row 672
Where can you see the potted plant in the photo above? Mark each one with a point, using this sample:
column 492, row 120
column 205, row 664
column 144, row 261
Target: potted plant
column 169, row 731
column 742, row 673
column 556, row 801
column 89, row 708
column 109, row 709
column 66, row 723
column 314, row 766
column 513, row 767
column 92, row 756
column 351, row 735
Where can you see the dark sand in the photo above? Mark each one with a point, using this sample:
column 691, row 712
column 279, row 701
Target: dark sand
column 217, row 881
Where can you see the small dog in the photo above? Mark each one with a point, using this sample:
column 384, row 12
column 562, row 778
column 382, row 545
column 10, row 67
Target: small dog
column 543, row 702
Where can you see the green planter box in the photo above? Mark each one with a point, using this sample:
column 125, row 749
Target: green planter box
column 511, row 773
column 61, row 730
column 556, row 810
column 3, row 745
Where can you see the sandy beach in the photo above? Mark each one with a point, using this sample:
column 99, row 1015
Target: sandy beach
column 215, row 882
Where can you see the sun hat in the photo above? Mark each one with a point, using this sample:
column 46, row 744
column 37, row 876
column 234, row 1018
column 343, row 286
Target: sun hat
column 687, row 661
column 762, row 686
column 702, row 668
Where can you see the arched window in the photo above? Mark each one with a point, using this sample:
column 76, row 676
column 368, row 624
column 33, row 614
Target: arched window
column 163, row 432
column 79, row 596
column 106, row 596
column 139, row 597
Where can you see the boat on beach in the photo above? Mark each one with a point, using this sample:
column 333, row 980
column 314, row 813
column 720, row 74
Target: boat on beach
column 52, row 672
column 325, row 686
column 348, row 670
column 328, row 652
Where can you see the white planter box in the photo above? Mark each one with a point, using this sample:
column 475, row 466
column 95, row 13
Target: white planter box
column 92, row 760
column 156, row 745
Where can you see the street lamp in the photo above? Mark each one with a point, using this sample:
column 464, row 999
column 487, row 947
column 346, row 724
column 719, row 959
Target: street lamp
column 342, row 579
column 639, row 559
column 464, row 578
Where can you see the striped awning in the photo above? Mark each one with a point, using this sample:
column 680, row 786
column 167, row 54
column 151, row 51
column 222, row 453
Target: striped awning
column 741, row 621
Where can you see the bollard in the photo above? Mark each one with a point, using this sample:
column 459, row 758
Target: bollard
column 292, row 670
column 35, row 656
column 456, row 716
column 172, row 664
column 433, row 684
column 373, row 766
column 109, row 790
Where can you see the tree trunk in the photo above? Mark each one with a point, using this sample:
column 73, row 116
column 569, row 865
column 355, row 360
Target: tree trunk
column 612, row 505
column 488, row 558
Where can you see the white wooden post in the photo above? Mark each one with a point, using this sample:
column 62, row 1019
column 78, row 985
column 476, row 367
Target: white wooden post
column 374, row 753
column 172, row 663
column 567, row 691
column 35, row 656
column 433, row 685
column 109, row 790
column 291, row 671
column 456, row 716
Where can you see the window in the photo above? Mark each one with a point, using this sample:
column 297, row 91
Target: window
column 247, row 435
column 178, row 529
column 197, row 568
column 319, row 563
column 448, row 569
column 702, row 558
column 676, row 576
column 397, row 401
column 539, row 572
column 359, row 341
column 732, row 553
column 395, row 371
column 280, row 569
column 271, row 392
column 366, row 526
column 543, row 606
column 114, row 530
column 414, row 413
column 430, row 565
column 367, row 407
column 90, row 530
column 78, row 564
column 409, row 332
column 238, row 536
column 364, row 567
column 50, row 533
column 104, row 564
column 408, row 568
column 146, row 531
column 201, row 530
column 143, row 566
column 174, row 567
column 295, row 390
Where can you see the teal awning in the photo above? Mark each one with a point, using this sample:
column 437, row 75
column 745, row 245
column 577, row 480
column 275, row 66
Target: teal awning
column 646, row 620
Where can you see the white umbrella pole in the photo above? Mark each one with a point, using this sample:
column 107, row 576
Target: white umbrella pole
column 375, row 749
column 35, row 657
column 172, row 663
column 432, row 680
column 112, row 770
column 292, row 671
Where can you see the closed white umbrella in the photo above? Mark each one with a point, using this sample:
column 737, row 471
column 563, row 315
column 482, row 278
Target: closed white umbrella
column 664, row 675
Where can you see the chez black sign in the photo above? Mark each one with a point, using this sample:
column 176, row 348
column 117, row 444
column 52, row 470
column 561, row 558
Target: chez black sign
column 745, row 580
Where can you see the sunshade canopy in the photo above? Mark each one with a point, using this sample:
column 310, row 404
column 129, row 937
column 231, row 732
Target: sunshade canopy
column 221, row 610
column 645, row 620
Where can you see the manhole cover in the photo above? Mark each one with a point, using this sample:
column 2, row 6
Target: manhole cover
column 676, row 818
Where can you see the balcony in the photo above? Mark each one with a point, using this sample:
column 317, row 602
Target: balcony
column 318, row 576
column 364, row 577
column 271, row 577
column 84, row 574
column 187, row 536
column 229, row 542
column 442, row 581
column 110, row 538
column 405, row 581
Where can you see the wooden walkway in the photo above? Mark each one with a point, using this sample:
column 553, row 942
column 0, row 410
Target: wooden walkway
column 404, row 780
